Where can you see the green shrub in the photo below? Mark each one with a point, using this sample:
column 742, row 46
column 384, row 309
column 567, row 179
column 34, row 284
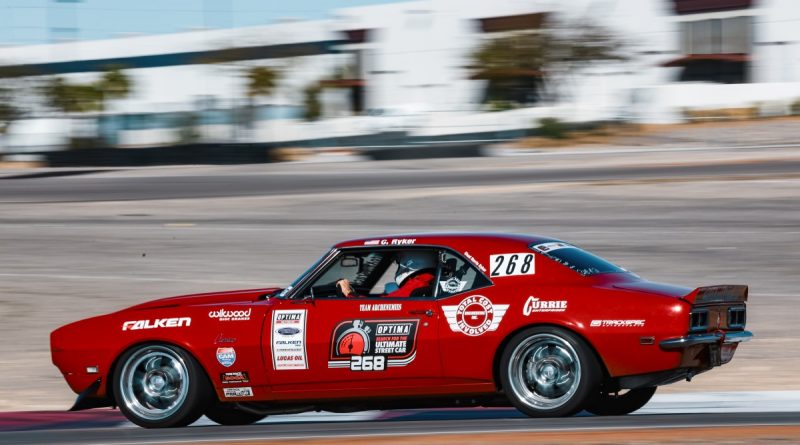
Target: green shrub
column 552, row 128
column 795, row 107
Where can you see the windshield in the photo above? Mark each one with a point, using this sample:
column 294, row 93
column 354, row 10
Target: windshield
column 576, row 259
column 303, row 275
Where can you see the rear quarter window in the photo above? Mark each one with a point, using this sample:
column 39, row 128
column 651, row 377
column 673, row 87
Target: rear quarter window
column 579, row 260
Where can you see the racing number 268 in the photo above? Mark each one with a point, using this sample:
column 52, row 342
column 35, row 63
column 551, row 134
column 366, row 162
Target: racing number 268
column 509, row 264
column 367, row 363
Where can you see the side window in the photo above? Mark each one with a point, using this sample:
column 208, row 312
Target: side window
column 459, row 276
column 361, row 268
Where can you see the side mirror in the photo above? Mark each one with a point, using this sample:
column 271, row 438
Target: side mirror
column 349, row 261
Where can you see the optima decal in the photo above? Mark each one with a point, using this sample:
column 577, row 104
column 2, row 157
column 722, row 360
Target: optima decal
column 535, row 305
column 227, row 315
column 373, row 345
column 157, row 323
column 289, row 339
column 475, row 315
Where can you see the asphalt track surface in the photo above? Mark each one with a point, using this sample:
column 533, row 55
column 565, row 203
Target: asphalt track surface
column 506, row 421
column 100, row 186
column 27, row 189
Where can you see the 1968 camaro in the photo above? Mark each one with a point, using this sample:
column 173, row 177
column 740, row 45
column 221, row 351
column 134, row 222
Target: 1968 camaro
column 428, row 320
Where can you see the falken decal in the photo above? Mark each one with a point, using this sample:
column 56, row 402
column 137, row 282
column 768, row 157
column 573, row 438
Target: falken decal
column 475, row 315
column 289, row 339
column 373, row 345
column 157, row 323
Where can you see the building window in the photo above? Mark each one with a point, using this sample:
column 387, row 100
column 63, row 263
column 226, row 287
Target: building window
column 715, row 50
column 718, row 36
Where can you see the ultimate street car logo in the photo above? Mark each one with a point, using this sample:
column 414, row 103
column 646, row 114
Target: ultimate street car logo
column 373, row 345
column 475, row 315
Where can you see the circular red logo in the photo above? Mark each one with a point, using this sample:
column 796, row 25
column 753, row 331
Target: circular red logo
column 474, row 315
column 352, row 344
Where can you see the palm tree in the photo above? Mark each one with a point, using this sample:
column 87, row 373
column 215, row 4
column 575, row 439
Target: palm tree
column 521, row 66
column 77, row 98
column 114, row 84
column 261, row 81
column 8, row 111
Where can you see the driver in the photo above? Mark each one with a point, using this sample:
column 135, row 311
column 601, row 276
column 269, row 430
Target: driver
column 415, row 272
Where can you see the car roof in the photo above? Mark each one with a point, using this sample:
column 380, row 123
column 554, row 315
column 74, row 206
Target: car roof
column 451, row 239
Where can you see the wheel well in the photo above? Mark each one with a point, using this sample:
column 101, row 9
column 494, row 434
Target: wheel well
column 113, row 368
column 499, row 353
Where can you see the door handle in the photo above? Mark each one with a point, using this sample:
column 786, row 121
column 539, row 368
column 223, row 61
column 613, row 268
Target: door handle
column 427, row 312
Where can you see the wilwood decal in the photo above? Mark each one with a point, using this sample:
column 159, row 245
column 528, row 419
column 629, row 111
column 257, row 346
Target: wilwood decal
column 373, row 345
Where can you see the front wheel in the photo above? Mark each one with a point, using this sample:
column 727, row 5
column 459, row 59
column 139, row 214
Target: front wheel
column 228, row 414
column 159, row 386
column 548, row 372
column 619, row 404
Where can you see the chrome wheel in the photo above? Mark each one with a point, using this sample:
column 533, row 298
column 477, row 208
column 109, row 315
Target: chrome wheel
column 544, row 371
column 154, row 382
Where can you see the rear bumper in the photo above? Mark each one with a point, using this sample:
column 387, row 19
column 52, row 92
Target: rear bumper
column 719, row 337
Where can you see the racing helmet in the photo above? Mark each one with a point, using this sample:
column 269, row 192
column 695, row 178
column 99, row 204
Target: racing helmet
column 410, row 262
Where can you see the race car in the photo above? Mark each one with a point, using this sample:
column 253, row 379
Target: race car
column 409, row 321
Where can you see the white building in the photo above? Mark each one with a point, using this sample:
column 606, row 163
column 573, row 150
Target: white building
column 406, row 65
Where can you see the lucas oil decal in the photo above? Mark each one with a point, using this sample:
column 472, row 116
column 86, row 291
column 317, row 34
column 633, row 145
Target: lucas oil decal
column 475, row 315
column 373, row 345
column 289, row 339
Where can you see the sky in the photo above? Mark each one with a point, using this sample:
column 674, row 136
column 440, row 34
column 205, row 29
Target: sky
column 43, row 21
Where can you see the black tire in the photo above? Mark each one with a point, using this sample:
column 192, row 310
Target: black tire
column 619, row 404
column 160, row 386
column 561, row 372
column 228, row 414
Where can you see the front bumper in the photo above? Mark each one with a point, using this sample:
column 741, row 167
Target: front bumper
column 719, row 337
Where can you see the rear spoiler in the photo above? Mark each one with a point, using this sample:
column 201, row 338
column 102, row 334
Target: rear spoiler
column 726, row 293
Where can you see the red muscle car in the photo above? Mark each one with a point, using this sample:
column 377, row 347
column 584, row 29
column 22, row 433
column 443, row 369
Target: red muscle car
column 492, row 320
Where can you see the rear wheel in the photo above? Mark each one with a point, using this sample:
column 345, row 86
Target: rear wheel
column 618, row 404
column 228, row 414
column 158, row 386
column 548, row 372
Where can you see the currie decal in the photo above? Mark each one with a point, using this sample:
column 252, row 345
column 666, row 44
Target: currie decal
column 475, row 315
column 289, row 339
column 535, row 305
column 226, row 356
column 226, row 315
column 244, row 391
column 228, row 378
column 157, row 323
column 373, row 345
column 617, row 323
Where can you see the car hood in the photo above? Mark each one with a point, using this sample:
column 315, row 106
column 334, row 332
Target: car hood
column 666, row 290
column 226, row 297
